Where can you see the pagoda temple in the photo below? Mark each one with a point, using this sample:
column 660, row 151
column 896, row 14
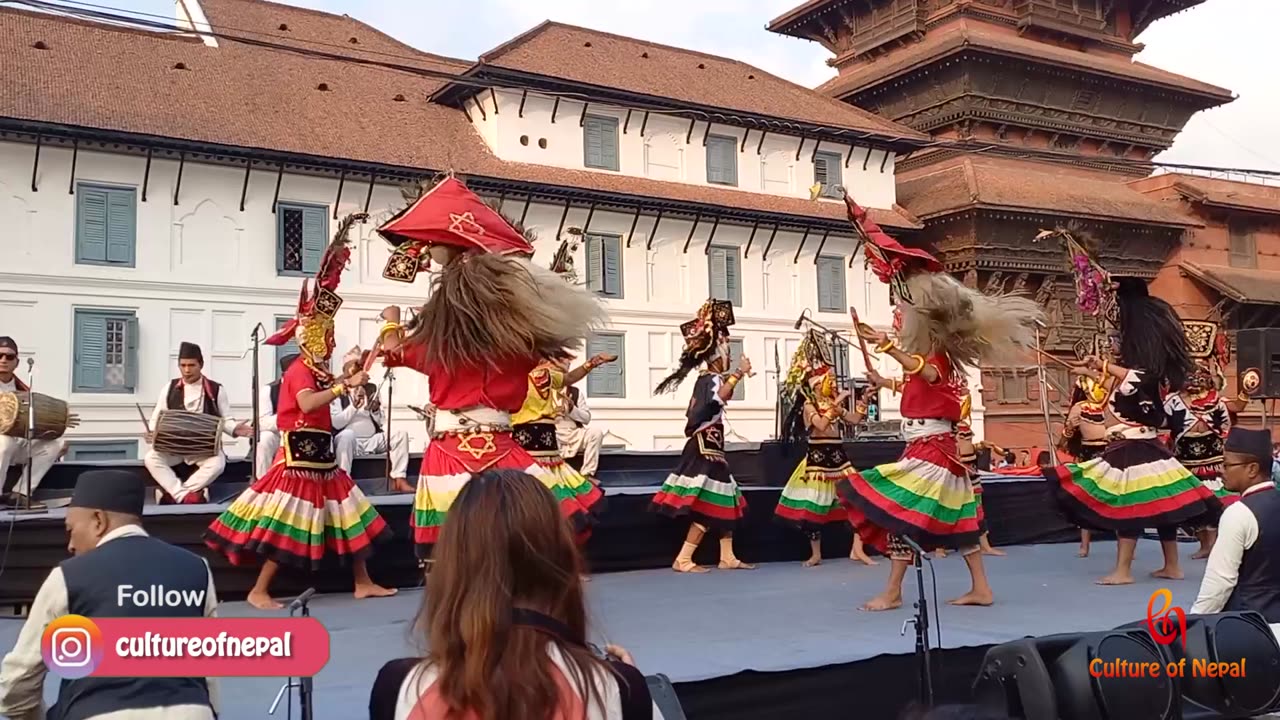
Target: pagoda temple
column 1002, row 77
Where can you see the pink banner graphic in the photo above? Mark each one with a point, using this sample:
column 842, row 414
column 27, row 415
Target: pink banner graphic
column 75, row 646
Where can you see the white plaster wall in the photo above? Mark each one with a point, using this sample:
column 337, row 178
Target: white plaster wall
column 662, row 153
column 206, row 273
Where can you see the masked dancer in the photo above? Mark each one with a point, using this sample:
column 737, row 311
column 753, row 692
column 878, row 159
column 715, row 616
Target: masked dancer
column 1136, row 483
column 944, row 330
column 491, row 318
column 305, row 506
column 1084, row 434
column 701, row 487
column 818, row 415
column 967, row 454
column 1199, row 420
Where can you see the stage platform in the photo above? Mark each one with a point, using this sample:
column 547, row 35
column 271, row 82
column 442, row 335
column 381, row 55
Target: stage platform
column 780, row 641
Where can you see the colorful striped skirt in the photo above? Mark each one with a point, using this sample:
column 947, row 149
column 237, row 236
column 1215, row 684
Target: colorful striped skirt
column 543, row 445
column 1133, row 485
column 809, row 500
column 701, row 487
column 451, row 458
column 927, row 496
column 295, row 516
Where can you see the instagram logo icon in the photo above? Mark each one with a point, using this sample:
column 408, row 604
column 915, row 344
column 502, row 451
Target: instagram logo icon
column 71, row 646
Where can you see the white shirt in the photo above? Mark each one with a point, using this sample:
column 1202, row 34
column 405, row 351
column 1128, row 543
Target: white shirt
column 193, row 401
column 22, row 672
column 1237, row 532
column 580, row 412
column 11, row 386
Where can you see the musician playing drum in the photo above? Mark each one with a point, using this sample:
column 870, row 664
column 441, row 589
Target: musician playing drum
column 192, row 392
column 13, row 451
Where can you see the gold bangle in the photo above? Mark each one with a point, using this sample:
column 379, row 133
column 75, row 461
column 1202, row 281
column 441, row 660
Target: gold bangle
column 860, row 409
column 885, row 346
column 919, row 366
column 388, row 326
column 338, row 389
column 1105, row 364
column 731, row 381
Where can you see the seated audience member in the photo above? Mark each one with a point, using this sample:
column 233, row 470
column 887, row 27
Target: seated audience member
column 104, row 525
column 1242, row 573
column 363, row 433
column 574, row 431
column 505, row 620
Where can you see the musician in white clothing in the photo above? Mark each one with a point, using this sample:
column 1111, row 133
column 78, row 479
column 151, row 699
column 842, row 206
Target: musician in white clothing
column 362, row 433
column 192, row 392
column 574, row 431
column 13, row 451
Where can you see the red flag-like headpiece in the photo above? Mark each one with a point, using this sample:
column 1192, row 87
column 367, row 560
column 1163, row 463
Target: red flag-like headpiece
column 319, row 306
column 887, row 257
column 447, row 214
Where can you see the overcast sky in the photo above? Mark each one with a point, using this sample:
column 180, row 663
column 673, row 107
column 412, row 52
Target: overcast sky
column 1230, row 43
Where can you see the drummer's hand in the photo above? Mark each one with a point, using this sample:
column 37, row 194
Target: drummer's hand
column 242, row 430
column 151, row 438
column 73, row 420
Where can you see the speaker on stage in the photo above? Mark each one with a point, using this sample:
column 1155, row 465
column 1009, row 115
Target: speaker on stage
column 1259, row 350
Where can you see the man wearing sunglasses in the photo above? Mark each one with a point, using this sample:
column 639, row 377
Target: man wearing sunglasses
column 13, row 451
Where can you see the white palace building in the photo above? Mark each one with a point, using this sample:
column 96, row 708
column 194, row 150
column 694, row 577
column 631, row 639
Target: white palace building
column 160, row 186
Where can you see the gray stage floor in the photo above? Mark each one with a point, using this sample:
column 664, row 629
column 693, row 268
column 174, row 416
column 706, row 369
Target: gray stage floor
column 779, row 617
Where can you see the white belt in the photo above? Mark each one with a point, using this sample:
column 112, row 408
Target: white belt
column 1132, row 432
column 475, row 418
column 913, row 428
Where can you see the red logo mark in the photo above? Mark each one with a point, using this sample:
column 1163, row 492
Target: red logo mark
column 1161, row 623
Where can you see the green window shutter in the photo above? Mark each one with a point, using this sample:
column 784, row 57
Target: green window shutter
column 732, row 277
column 600, row 143
column 91, row 225
column 89, row 364
column 287, row 349
column 608, row 380
column 735, row 352
column 595, row 264
column 612, row 246
column 827, row 169
column 315, row 231
column 831, row 282
column 718, row 282
column 122, row 217
column 722, row 160
column 131, row 354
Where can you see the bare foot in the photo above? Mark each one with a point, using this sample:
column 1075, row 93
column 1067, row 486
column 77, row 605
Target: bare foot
column 882, row 602
column 1115, row 578
column 994, row 552
column 373, row 590
column 974, row 597
column 863, row 558
column 1083, row 552
column 1165, row 573
column 735, row 564
column 403, row 486
column 262, row 601
column 815, row 560
column 1201, row 554
column 688, row 567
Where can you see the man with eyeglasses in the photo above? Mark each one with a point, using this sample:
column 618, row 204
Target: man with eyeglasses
column 1242, row 573
column 13, row 451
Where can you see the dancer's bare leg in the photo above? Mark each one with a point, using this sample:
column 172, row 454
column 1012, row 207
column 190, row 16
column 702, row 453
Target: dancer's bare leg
column 684, row 561
column 891, row 598
column 980, row 590
column 1171, row 570
column 859, row 553
column 260, row 595
column 1207, row 537
column 1085, row 538
column 365, row 586
column 815, row 550
column 1123, row 572
column 729, row 561
column 984, row 543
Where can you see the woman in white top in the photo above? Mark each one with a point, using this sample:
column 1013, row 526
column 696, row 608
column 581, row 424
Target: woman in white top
column 505, row 619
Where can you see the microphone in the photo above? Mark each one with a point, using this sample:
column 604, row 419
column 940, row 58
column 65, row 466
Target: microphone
column 31, row 362
column 302, row 599
column 913, row 545
column 800, row 320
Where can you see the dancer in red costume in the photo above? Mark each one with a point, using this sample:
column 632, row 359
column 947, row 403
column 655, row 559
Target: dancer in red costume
column 944, row 330
column 305, row 506
column 490, row 320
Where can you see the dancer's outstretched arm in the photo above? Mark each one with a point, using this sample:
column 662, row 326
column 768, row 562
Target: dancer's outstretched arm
column 912, row 364
column 726, row 388
column 573, row 376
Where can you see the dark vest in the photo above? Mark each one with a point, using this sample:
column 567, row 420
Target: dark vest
column 211, row 390
column 1258, row 587
column 275, row 396
column 92, row 587
column 574, row 395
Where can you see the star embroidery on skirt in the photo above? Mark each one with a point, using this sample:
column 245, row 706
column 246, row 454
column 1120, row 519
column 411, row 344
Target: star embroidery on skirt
column 486, row 447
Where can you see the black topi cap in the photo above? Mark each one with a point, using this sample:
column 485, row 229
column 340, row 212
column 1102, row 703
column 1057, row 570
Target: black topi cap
column 1254, row 443
column 110, row 491
column 6, row 341
column 190, row 351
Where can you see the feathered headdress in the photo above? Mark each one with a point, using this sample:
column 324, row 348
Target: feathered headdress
column 701, row 335
column 938, row 313
column 811, row 363
column 447, row 214
column 318, row 303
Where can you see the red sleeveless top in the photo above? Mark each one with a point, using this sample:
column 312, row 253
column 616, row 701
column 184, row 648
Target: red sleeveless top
column 289, row 416
column 924, row 400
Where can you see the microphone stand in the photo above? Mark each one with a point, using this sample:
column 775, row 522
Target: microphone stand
column 921, row 623
column 390, row 379
column 305, row 685
column 257, row 407
column 30, row 431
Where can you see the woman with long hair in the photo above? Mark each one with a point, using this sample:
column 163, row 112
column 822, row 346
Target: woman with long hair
column 1136, row 483
column 505, row 620
column 491, row 318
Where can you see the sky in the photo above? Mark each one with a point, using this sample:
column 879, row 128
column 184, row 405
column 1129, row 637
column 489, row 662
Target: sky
column 1230, row 43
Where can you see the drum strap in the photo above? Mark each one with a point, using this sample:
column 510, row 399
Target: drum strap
column 19, row 385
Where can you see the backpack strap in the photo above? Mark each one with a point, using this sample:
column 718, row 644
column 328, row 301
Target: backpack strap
column 386, row 688
column 637, row 704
